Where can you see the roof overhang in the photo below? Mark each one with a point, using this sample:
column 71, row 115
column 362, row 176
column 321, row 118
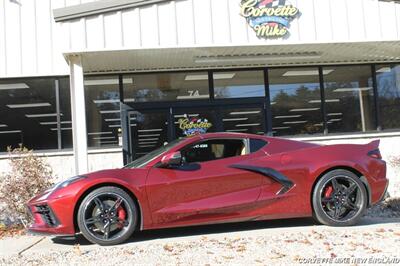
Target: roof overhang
column 191, row 58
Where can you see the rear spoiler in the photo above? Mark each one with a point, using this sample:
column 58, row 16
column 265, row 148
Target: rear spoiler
column 373, row 145
column 372, row 149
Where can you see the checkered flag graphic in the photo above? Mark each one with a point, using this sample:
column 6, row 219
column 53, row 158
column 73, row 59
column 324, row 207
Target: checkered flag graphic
column 272, row 3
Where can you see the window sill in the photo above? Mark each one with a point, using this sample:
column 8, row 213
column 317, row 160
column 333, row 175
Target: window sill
column 68, row 152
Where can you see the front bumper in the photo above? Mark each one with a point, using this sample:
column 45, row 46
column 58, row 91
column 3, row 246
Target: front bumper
column 52, row 216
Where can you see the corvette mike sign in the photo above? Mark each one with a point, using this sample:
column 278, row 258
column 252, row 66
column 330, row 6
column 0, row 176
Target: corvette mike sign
column 194, row 126
column 269, row 18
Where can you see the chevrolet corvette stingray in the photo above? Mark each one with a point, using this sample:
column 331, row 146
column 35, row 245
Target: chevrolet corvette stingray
column 216, row 178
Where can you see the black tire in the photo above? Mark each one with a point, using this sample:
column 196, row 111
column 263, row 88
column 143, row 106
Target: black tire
column 339, row 198
column 100, row 216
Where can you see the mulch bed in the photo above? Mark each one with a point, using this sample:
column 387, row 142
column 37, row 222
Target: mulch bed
column 11, row 231
column 392, row 204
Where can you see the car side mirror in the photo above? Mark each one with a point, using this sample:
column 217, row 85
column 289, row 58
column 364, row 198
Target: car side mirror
column 172, row 159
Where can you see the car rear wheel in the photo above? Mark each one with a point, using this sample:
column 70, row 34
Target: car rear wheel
column 107, row 216
column 339, row 198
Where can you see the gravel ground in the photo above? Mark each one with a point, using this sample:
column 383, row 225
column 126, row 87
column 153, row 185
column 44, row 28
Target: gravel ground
column 255, row 244
column 252, row 248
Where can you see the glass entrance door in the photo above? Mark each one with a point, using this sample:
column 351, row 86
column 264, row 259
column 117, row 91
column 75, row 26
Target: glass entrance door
column 148, row 131
column 152, row 128
column 192, row 121
column 230, row 118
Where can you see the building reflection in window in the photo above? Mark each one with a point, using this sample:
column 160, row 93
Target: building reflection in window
column 349, row 98
column 149, row 131
column 28, row 114
column 388, row 81
column 65, row 109
column 239, row 84
column 295, row 101
column 244, row 120
column 166, row 87
column 102, row 110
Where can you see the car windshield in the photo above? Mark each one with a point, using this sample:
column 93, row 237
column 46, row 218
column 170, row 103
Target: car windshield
column 144, row 160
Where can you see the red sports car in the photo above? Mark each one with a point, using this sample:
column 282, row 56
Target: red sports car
column 216, row 178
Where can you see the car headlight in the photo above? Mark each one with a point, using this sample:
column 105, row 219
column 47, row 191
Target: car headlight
column 59, row 185
column 69, row 181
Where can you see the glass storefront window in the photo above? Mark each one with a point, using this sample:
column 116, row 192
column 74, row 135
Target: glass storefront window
column 239, row 84
column 103, row 116
column 65, row 109
column 243, row 120
column 27, row 113
column 388, row 81
column 166, row 87
column 28, row 106
column 295, row 101
column 349, row 98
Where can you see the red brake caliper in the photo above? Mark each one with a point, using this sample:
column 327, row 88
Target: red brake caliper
column 121, row 215
column 328, row 191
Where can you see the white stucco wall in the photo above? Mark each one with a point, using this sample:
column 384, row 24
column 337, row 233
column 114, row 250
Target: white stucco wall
column 63, row 166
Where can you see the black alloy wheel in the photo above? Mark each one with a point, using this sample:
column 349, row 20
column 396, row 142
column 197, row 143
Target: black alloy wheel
column 339, row 198
column 107, row 216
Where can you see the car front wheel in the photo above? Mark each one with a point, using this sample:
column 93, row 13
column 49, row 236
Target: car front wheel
column 107, row 216
column 339, row 198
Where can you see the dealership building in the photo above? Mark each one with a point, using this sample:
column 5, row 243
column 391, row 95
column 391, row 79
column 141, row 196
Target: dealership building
column 96, row 84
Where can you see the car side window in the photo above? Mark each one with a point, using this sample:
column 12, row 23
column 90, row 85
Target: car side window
column 256, row 144
column 213, row 149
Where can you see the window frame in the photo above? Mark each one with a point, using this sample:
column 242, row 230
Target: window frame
column 245, row 141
